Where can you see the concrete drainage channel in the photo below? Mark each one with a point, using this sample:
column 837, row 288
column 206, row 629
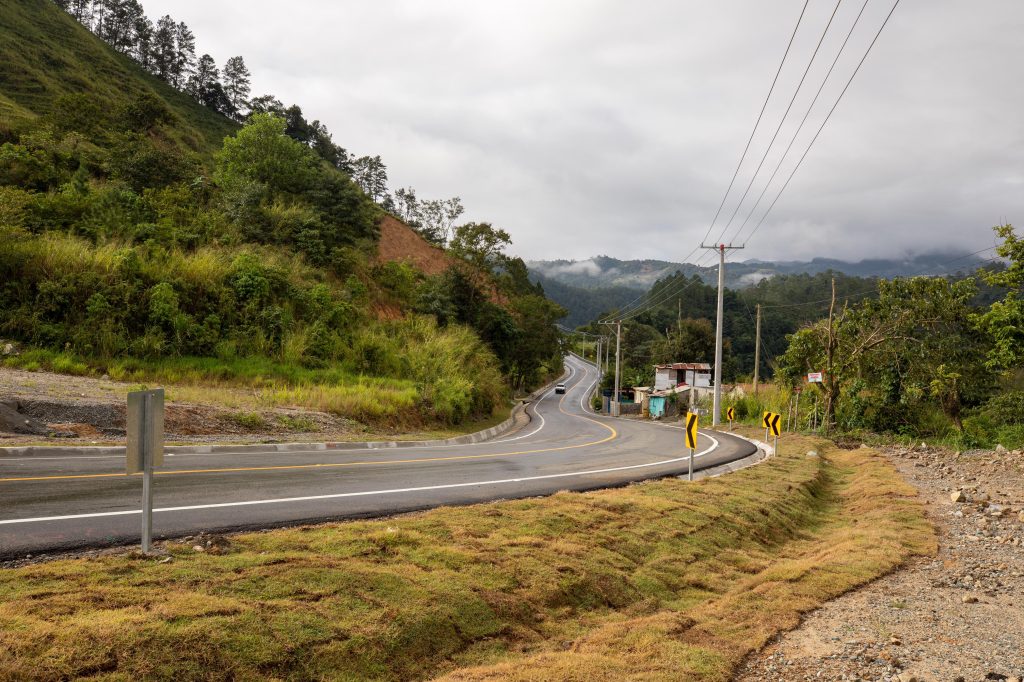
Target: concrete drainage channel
column 517, row 420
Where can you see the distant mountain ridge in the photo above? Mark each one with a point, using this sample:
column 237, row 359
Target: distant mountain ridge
column 601, row 272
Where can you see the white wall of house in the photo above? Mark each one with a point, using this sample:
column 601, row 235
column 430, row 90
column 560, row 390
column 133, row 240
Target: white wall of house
column 698, row 378
column 664, row 378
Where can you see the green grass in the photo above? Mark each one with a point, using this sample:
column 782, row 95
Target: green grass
column 45, row 54
column 660, row 581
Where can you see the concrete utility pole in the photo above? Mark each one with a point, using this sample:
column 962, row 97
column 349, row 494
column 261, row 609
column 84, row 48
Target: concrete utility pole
column 716, row 410
column 757, row 350
column 618, row 373
column 618, row 354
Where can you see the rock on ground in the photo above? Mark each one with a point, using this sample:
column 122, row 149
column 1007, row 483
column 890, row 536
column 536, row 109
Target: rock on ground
column 959, row 615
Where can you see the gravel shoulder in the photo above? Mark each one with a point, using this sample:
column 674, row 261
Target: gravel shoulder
column 956, row 616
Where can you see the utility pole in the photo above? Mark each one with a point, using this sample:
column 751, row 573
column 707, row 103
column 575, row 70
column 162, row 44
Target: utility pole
column 716, row 410
column 757, row 349
column 618, row 354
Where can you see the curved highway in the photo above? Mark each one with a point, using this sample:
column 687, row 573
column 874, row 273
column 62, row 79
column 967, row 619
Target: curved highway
column 70, row 501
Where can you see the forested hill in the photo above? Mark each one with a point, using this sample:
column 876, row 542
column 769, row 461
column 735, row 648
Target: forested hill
column 49, row 62
column 584, row 305
column 601, row 272
column 157, row 224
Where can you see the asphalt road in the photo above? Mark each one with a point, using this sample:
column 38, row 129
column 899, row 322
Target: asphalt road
column 56, row 503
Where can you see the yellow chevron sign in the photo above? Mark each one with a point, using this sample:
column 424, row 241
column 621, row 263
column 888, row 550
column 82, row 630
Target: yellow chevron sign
column 730, row 414
column 765, row 419
column 691, row 430
column 773, row 423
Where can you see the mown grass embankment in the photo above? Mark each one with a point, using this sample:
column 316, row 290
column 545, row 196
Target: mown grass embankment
column 663, row 580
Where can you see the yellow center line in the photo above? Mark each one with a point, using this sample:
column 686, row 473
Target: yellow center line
column 328, row 465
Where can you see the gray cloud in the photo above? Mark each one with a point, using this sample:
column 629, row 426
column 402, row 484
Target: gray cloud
column 593, row 126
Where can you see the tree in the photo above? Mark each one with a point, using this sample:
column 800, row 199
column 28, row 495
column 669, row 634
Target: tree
column 204, row 84
column 81, row 10
column 184, row 55
column 1004, row 320
column 116, row 22
column 438, row 218
column 236, row 84
column 691, row 341
column 321, row 142
column 164, row 50
column 143, row 49
column 370, row 173
column 266, row 104
column 407, row 206
column 203, row 77
column 914, row 342
column 481, row 245
column 261, row 152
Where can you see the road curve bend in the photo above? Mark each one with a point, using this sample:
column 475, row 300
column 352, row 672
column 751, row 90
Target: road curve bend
column 57, row 503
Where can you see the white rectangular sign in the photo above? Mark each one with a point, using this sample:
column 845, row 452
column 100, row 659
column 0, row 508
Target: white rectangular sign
column 814, row 377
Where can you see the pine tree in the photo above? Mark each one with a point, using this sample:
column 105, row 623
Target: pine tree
column 203, row 77
column 164, row 50
column 143, row 47
column 370, row 173
column 81, row 10
column 184, row 55
column 204, row 84
column 236, row 84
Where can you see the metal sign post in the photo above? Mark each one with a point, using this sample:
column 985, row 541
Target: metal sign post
column 145, row 449
column 773, row 424
column 691, row 438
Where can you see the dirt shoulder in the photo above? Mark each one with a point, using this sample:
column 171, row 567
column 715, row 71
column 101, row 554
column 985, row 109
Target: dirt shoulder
column 957, row 616
column 47, row 408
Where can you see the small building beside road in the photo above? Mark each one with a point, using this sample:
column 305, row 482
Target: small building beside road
column 696, row 374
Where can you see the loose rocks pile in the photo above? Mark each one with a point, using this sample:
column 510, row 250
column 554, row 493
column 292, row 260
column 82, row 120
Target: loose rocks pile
column 958, row 616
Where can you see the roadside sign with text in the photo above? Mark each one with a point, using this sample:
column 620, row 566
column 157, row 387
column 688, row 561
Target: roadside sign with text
column 814, row 377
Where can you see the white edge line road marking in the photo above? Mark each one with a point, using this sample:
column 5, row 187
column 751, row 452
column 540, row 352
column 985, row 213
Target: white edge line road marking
column 310, row 498
column 333, row 450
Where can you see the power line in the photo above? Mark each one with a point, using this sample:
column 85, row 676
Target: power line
column 800, row 127
column 637, row 305
column 827, row 117
column 662, row 296
column 756, row 123
column 782, row 121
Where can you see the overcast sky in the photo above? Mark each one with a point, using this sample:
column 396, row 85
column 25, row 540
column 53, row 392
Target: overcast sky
column 589, row 127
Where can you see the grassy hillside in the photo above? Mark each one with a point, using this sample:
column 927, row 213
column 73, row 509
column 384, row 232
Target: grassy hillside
column 660, row 581
column 142, row 233
column 45, row 54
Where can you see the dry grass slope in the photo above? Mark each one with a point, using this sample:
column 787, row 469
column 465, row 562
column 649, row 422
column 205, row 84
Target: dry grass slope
column 664, row 580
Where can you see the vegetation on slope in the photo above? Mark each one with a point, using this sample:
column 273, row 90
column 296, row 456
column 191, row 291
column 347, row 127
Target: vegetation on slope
column 46, row 58
column 132, row 241
column 662, row 580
